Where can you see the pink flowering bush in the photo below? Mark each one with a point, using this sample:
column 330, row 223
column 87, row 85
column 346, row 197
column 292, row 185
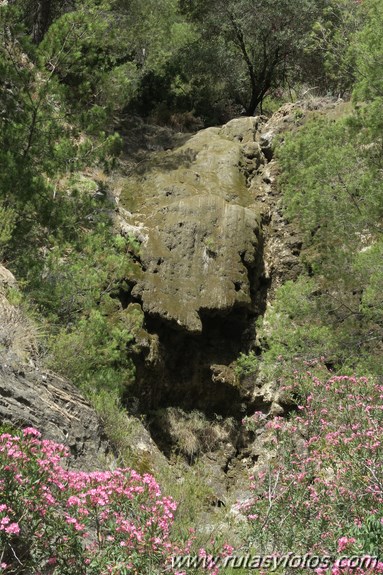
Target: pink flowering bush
column 322, row 492
column 57, row 521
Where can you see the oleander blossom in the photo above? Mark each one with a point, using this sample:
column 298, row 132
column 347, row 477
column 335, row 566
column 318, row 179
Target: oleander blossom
column 324, row 483
column 88, row 521
column 345, row 543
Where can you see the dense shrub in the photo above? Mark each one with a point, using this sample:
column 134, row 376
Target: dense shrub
column 57, row 521
column 322, row 493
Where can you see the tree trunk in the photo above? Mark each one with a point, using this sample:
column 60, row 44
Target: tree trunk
column 261, row 84
column 42, row 20
column 255, row 99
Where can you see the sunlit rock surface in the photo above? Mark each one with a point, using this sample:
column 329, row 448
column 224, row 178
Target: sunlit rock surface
column 200, row 227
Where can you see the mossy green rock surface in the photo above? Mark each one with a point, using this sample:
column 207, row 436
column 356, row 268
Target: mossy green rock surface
column 199, row 228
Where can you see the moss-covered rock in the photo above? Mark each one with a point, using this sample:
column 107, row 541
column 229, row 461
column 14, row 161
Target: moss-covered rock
column 198, row 225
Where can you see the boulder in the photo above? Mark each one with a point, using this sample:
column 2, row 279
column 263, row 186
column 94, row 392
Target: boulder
column 7, row 279
column 18, row 336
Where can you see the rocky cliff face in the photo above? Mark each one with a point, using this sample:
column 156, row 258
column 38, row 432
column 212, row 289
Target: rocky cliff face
column 203, row 213
column 202, row 235
column 32, row 397
column 45, row 401
column 200, row 271
column 214, row 245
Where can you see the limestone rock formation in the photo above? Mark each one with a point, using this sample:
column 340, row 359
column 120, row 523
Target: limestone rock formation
column 200, row 234
column 208, row 215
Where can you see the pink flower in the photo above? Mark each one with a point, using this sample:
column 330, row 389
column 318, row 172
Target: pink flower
column 73, row 500
column 345, row 542
column 31, row 431
column 13, row 529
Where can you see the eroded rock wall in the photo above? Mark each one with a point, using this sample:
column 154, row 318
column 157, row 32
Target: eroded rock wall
column 201, row 232
column 200, row 275
column 214, row 246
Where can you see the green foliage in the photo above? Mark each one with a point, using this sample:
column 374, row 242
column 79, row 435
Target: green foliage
column 320, row 187
column 369, row 536
column 37, row 146
column 369, row 51
column 369, row 265
column 331, row 184
column 67, row 77
column 292, row 330
column 92, row 59
column 7, row 428
column 246, row 364
column 38, row 15
column 101, row 53
column 27, row 119
column 331, row 63
column 159, row 28
column 76, row 290
column 32, row 129
column 75, row 276
column 260, row 43
column 95, row 354
column 192, row 492
column 368, row 47
column 7, row 225
column 121, row 429
column 54, row 228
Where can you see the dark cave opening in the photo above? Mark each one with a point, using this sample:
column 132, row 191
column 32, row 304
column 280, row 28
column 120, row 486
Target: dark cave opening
column 182, row 376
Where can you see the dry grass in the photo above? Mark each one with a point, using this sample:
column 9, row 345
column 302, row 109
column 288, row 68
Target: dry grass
column 18, row 336
column 192, row 433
